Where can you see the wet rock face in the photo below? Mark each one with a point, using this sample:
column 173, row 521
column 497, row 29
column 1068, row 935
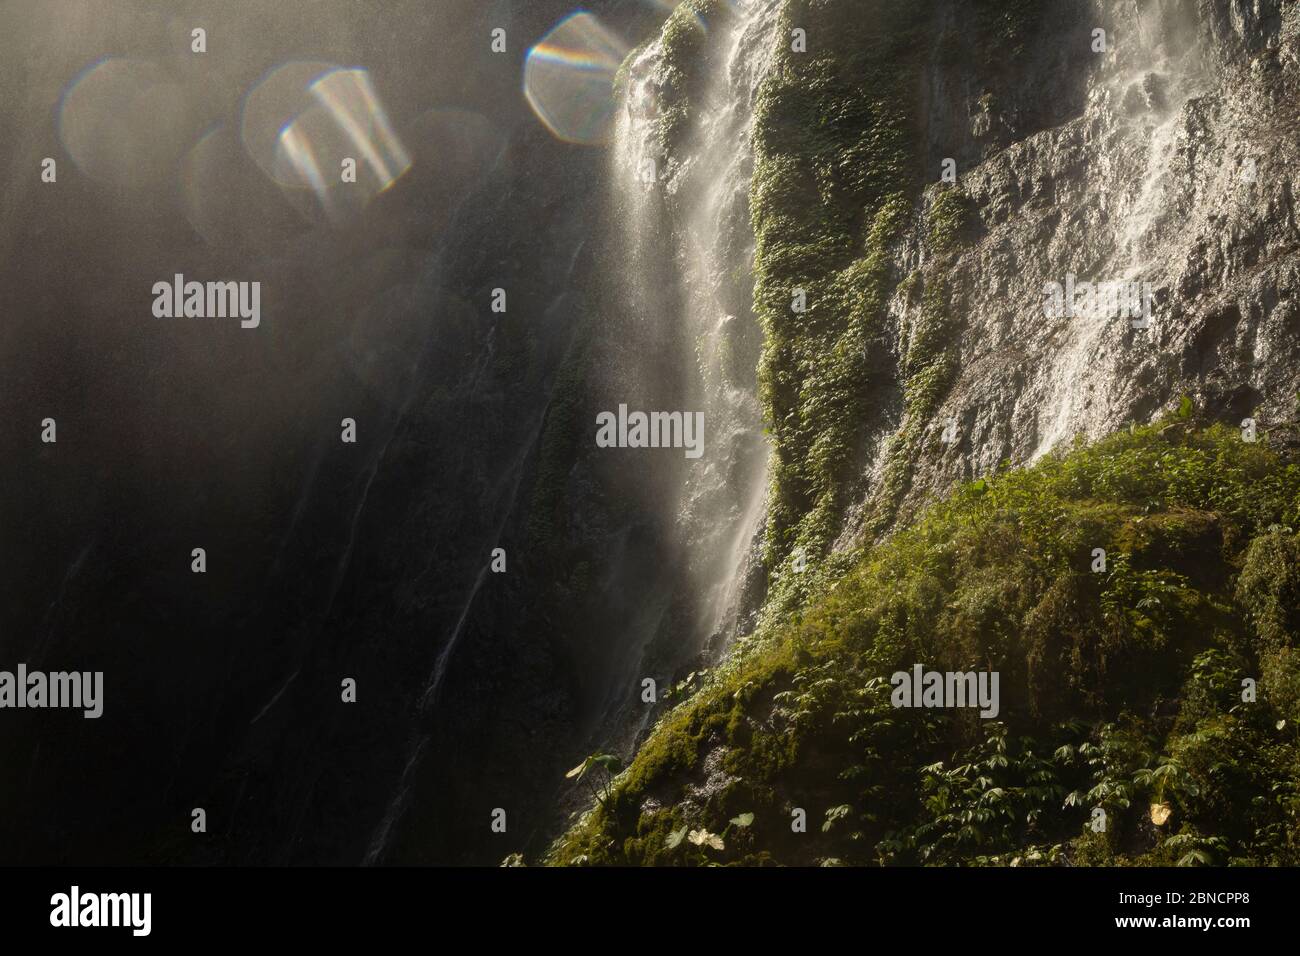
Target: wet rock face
column 1177, row 166
column 1124, row 150
column 1129, row 154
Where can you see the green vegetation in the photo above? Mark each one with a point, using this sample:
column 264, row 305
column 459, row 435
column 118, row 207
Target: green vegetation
column 951, row 219
column 586, row 771
column 1121, row 688
column 928, row 366
column 836, row 186
column 832, row 193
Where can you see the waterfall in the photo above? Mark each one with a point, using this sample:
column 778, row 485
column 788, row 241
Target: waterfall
column 708, row 255
column 685, row 216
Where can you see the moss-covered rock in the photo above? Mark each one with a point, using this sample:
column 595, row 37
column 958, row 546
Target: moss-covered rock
column 1121, row 683
column 832, row 192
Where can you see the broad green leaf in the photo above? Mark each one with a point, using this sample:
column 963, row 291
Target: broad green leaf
column 705, row 838
column 609, row 762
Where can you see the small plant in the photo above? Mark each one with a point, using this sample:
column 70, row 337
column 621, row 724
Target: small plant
column 1196, row 850
column 585, row 771
column 1164, row 781
column 705, row 839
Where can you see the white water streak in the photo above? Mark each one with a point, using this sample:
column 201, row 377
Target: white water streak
column 1170, row 78
column 722, row 505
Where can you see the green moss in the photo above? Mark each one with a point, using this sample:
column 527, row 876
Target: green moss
column 911, row 287
column 832, row 191
column 685, row 47
column 953, row 217
column 834, row 188
column 929, row 365
column 1119, row 688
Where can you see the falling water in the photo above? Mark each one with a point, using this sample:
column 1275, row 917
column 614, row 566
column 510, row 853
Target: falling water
column 1147, row 95
column 689, row 219
column 720, row 245
column 720, row 507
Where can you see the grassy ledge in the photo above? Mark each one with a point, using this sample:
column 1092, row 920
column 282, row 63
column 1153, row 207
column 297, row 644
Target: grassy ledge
column 1121, row 690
